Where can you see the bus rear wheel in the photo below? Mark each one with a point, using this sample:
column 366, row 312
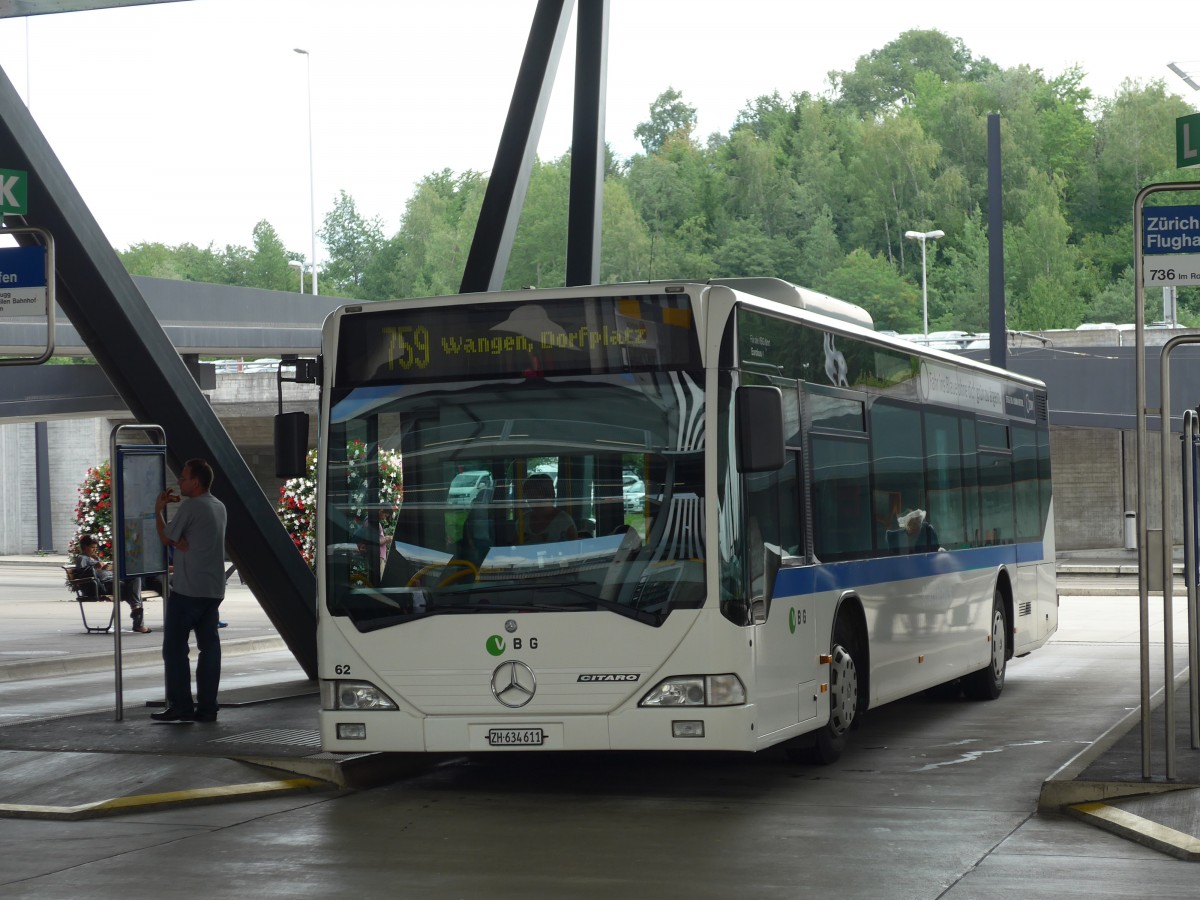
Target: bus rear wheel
column 988, row 682
column 826, row 745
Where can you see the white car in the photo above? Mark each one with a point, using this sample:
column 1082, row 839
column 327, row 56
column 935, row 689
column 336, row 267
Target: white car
column 634, row 490
column 466, row 486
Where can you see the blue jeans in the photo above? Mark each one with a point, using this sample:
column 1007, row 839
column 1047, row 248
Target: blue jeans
column 185, row 614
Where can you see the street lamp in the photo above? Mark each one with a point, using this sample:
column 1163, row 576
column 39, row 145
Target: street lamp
column 312, row 201
column 1187, row 79
column 924, row 236
column 298, row 266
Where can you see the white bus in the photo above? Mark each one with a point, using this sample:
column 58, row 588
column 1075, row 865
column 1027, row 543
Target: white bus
column 713, row 516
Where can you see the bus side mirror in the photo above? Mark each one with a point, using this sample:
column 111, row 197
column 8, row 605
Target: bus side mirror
column 291, row 429
column 759, row 411
column 291, row 444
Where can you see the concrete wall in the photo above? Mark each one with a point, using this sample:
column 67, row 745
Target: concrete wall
column 1087, row 467
column 244, row 403
column 75, row 446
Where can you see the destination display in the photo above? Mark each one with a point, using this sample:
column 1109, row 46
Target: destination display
column 975, row 391
column 517, row 340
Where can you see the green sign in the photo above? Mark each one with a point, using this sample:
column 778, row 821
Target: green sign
column 1187, row 141
column 14, row 192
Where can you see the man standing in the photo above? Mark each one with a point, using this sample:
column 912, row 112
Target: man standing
column 197, row 535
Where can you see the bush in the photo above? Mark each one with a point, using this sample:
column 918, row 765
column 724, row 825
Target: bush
column 297, row 507
column 93, row 510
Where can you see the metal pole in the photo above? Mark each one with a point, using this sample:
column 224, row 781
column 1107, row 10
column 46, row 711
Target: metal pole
column 1168, row 568
column 312, row 194
column 924, row 293
column 1139, row 310
column 997, row 330
column 1191, row 429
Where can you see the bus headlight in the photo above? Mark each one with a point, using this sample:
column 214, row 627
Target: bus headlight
column 359, row 695
column 697, row 690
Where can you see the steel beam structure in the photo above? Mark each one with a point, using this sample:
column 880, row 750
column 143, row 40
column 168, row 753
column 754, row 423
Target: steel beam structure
column 588, row 153
column 500, row 213
column 102, row 302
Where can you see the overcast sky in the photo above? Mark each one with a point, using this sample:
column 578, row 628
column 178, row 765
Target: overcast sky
column 187, row 121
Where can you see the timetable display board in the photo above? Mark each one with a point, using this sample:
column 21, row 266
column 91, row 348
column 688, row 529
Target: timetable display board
column 140, row 476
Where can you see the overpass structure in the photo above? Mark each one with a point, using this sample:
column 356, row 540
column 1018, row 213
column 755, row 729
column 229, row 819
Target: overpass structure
column 198, row 319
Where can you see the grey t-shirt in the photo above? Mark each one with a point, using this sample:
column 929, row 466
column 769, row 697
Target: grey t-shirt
column 200, row 572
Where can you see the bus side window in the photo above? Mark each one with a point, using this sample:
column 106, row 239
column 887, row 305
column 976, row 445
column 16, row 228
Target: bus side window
column 840, row 482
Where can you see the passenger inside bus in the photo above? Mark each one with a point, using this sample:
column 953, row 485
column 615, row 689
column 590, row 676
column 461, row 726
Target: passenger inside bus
column 912, row 534
column 544, row 521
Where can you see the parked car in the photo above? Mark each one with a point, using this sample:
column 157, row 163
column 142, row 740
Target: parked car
column 466, row 486
column 634, row 490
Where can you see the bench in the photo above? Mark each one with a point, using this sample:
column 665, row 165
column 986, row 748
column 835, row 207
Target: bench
column 86, row 588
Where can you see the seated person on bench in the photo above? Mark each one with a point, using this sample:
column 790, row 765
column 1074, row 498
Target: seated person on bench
column 89, row 564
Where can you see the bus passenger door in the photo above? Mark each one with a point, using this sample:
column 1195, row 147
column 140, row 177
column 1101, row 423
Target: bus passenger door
column 781, row 606
column 786, row 657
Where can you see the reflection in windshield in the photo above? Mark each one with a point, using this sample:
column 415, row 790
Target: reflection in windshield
column 517, row 497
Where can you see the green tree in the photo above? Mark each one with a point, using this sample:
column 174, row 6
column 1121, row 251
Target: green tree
column 1133, row 148
column 539, row 253
column 961, row 299
column 819, row 251
column 352, row 242
column 1115, row 303
column 874, row 284
column 427, row 256
column 669, row 115
column 267, row 267
column 625, row 240
column 886, row 77
column 894, row 175
column 1043, row 270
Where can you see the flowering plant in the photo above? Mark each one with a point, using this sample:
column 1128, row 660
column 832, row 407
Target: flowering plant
column 297, row 507
column 93, row 510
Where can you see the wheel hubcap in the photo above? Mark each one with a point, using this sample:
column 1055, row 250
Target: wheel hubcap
column 998, row 647
column 843, row 686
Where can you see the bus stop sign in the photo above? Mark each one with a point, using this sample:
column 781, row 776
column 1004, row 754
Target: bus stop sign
column 23, row 281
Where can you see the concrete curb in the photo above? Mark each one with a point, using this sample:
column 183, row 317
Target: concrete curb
column 1062, row 789
column 89, row 663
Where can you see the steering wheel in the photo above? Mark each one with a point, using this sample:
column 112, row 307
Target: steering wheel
column 465, row 565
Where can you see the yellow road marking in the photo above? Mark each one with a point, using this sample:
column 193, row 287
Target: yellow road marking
column 1141, row 829
column 143, row 801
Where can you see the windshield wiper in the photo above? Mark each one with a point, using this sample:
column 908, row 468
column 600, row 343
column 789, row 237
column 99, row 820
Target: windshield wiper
column 640, row 615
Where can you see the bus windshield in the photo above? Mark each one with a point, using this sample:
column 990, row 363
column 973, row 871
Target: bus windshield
column 551, row 494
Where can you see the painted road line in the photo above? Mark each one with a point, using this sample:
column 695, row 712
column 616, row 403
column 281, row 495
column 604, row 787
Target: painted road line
column 1139, row 829
column 142, row 802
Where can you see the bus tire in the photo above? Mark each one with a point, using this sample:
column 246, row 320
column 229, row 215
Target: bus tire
column 988, row 682
column 826, row 745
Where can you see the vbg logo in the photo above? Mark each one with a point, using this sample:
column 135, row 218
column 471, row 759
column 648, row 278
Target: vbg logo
column 496, row 645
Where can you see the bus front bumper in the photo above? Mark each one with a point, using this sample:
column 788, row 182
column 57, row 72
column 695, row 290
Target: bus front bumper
column 683, row 728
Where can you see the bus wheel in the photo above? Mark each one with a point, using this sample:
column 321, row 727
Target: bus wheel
column 988, row 682
column 826, row 745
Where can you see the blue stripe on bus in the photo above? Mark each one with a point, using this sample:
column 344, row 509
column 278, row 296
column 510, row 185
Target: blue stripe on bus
column 859, row 573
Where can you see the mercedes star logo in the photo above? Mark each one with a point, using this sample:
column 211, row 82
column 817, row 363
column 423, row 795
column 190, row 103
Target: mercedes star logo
column 513, row 684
